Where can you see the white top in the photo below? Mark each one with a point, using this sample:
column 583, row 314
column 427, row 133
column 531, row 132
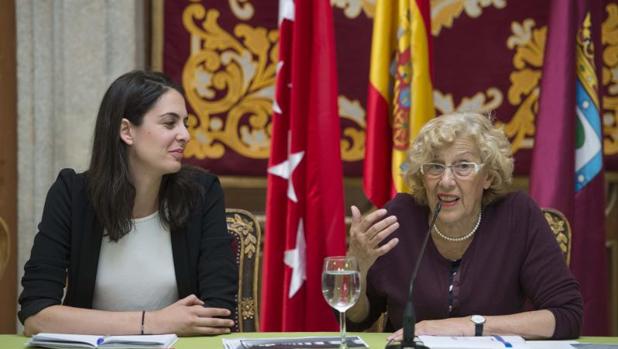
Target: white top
column 137, row 271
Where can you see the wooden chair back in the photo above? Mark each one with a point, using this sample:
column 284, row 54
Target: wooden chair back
column 245, row 229
column 5, row 244
column 561, row 228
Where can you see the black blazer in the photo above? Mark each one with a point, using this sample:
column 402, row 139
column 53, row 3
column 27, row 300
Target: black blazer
column 67, row 246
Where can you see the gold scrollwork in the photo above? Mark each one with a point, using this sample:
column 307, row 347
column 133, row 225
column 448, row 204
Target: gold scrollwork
column 556, row 225
column 352, row 8
column 444, row 12
column 609, row 39
column 245, row 230
column 242, row 9
column 559, row 227
column 529, row 45
column 229, row 82
column 353, row 140
column 479, row 102
column 247, row 308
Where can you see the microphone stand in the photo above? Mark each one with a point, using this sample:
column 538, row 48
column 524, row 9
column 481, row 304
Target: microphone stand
column 409, row 317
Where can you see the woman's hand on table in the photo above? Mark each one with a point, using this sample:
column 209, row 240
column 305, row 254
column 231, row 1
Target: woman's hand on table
column 188, row 317
column 460, row 326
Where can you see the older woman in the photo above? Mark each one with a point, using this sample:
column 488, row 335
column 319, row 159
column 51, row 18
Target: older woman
column 492, row 264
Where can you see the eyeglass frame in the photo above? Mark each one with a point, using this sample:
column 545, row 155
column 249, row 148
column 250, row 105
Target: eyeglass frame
column 477, row 168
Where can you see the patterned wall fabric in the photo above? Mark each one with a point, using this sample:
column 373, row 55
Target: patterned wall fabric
column 488, row 56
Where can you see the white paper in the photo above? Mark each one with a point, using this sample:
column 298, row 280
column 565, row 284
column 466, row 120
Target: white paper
column 485, row 342
column 551, row 344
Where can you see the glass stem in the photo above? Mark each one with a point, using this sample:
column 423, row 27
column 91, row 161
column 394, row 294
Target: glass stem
column 343, row 345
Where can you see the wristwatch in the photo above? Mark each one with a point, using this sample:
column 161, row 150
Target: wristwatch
column 479, row 321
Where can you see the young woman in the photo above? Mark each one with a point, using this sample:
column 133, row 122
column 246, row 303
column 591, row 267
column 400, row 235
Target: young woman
column 138, row 242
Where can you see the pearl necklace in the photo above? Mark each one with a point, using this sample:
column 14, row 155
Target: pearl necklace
column 461, row 238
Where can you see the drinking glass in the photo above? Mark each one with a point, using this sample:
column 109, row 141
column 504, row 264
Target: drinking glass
column 341, row 287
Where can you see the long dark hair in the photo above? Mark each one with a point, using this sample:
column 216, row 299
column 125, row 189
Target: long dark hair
column 110, row 190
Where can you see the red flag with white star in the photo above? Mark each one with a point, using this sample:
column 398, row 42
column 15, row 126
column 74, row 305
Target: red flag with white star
column 304, row 204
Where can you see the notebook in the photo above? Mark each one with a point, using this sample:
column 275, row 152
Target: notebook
column 61, row 340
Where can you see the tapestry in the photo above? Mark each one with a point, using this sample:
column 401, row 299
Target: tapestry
column 488, row 57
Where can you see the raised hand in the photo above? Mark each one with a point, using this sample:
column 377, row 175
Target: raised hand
column 366, row 234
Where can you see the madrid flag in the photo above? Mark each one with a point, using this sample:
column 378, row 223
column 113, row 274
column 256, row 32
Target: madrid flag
column 304, row 203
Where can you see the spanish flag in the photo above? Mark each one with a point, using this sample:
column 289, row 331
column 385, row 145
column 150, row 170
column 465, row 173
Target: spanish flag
column 399, row 99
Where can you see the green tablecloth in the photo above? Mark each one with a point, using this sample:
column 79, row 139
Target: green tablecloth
column 375, row 340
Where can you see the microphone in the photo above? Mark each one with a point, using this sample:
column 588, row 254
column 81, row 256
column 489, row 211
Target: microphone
column 409, row 317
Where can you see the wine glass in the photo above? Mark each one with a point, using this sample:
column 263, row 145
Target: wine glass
column 341, row 287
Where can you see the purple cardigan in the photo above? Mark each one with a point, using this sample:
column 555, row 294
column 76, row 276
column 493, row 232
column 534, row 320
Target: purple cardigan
column 513, row 264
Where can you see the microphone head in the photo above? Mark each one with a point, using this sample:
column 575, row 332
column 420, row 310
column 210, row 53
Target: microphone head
column 434, row 216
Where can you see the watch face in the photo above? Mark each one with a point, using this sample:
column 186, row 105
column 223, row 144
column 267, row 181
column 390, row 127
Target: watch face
column 478, row 319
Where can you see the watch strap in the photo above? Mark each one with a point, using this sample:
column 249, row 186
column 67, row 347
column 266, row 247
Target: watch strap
column 478, row 329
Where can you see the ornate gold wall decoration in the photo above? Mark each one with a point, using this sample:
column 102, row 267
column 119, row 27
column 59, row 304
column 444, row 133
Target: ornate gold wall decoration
column 529, row 45
column 353, row 8
column 444, row 12
column 480, row 102
column 353, row 140
column 229, row 83
column 609, row 39
column 242, row 9
column 228, row 80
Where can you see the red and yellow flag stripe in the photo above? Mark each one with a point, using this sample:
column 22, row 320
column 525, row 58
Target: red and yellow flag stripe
column 399, row 99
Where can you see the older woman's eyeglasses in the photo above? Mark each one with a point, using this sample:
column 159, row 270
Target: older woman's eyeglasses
column 461, row 169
